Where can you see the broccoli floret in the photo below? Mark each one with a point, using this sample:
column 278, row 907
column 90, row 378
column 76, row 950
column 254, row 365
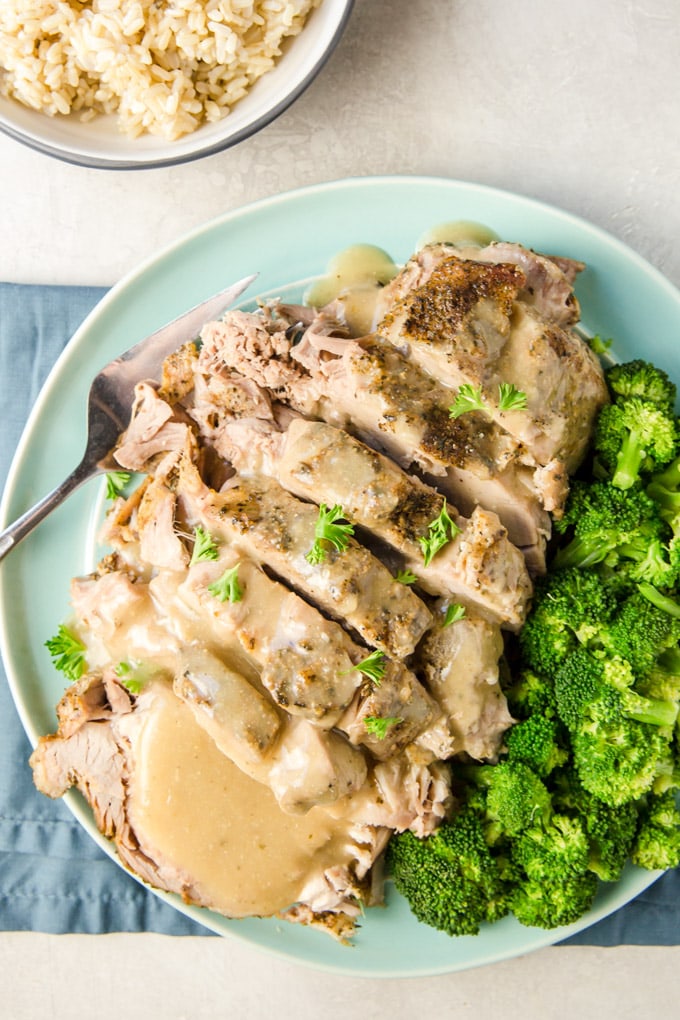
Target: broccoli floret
column 664, row 489
column 663, row 679
column 516, row 798
column 657, row 844
column 559, row 848
column 640, row 632
column 608, row 525
column 534, row 741
column 450, row 879
column 551, row 903
column 639, row 378
column 634, row 437
column 568, row 606
column 619, row 738
column 610, row 830
column 531, row 693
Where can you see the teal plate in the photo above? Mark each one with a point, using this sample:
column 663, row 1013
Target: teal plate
column 289, row 240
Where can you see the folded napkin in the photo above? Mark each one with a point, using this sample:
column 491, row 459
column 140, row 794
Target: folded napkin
column 53, row 877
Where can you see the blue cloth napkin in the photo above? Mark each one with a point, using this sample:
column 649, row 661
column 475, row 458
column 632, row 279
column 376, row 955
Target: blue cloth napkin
column 53, row 877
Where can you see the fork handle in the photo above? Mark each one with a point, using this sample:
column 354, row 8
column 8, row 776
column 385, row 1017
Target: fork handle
column 25, row 524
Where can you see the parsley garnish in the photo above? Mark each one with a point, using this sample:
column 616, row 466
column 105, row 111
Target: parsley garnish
column 440, row 532
column 227, row 587
column 453, row 612
column 373, row 666
column 470, row 399
column 510, row 398
column 204, row 546
column 378, row 725
column 598, row 345
column 131, row 681
column 328, row 530
column 116, row 482
column 68, row 653
column 406, row 577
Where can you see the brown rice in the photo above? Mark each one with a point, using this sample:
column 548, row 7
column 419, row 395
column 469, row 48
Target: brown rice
column 162, row 67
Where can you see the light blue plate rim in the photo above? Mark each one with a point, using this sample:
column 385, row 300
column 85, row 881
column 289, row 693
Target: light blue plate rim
column 291, row 237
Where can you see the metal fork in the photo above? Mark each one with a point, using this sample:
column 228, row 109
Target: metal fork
column 110, row 404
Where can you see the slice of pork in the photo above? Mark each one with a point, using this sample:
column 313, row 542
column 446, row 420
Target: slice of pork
column 261, row 520
column 372, row 390
column 459, row 664
column 466, row 321
column 325, row 464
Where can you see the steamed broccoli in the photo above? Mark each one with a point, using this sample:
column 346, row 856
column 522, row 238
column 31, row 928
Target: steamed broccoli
column 634, row 437
column 535, row 742
column 516, row 798
column 531, row 693
column 640, row 632
column 568, row 606
column 610, row 830
column 550, row 903
column 664, row 489
column 639, row 378
column 657, row 844
column 450, row 879
column 559, row 848
column 609, row 525
column 619, row 738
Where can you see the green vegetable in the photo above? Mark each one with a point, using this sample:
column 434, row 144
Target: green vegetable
column 569, row 607
column 226, row 587
column 373, row 666
column 641, row 379
column 588, row 777
column 329, row 532
column 116, row 482
column 205, row 547
column 538, row 743
column 450, row 879
column 469, row 398
column 441, row 531
column 619, row 738
column 68, row 653
column 406, row 577
column 622, row 529
column 453, row 613
column 378, row 726
column 638, row 432
column 657, row 844
column 551, row 903
column 510, row 398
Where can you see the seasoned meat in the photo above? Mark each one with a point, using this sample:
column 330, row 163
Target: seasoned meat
column 264, row 522
column 320, row 462
column 155, row 429
column 304, row 660
column 466, row 321
column 242, row 722
column 400, row 698
column 374, row 391
column 312, row 766
column 459, row 664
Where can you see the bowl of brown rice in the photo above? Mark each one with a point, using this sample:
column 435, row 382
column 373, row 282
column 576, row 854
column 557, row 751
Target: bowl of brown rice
column 126, row 84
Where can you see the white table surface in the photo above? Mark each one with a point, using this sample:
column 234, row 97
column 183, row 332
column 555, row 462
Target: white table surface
column 576, row 103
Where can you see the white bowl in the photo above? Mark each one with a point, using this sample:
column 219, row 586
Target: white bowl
column 100, row 143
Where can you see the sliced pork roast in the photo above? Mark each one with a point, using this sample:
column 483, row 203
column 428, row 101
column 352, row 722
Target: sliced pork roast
column 501, row 315
column 261, row 706
column 322, row 463
column 369, row 388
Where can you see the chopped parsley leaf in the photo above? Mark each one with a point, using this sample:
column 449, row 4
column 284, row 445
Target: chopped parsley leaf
column 327, row 530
